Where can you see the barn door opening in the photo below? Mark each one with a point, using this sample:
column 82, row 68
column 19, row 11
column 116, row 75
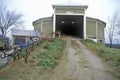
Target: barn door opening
column 70, row 25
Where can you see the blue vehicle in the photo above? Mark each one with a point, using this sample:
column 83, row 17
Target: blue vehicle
column 23, row 45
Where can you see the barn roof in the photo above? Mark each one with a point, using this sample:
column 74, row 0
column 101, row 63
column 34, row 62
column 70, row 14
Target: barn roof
column 41, row 19
column 69, row 3
column 95, row 19
column 31, row 33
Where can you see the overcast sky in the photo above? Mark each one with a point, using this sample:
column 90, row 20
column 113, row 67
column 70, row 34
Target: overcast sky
column 35, row 9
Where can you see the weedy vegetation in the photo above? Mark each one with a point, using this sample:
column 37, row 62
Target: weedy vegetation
column 49, row 57
column 41, row 60
column 110, row 55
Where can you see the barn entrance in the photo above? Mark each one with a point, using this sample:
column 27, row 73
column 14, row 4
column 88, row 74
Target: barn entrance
column 70, row 25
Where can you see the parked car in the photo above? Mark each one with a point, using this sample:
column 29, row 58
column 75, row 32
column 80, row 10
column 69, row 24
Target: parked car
column 23, row 45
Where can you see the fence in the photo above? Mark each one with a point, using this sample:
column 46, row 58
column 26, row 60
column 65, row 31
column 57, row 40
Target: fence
column 25, row 51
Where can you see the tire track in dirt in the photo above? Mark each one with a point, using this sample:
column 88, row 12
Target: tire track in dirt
column 95, row 69
column 79, row 63
column 72, row 66
column 82, row 64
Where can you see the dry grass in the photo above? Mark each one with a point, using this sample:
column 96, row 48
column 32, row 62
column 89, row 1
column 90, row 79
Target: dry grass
column 110, row 56
column 21, row 71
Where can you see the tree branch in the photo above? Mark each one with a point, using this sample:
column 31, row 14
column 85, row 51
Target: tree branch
column 9, row 19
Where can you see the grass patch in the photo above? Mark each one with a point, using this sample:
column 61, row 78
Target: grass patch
column 40, row 61
column 2, row 66
column 49, row 57
column 110, row 55
column 33, row 57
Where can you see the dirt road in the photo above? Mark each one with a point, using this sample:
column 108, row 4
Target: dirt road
column 79, row 63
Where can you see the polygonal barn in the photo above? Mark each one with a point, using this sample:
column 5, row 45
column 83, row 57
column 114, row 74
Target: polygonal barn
column 70, row 19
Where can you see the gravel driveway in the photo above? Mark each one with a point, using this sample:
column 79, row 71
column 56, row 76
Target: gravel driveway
column 79, row 63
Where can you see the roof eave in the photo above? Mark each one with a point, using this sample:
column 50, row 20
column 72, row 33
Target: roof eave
column 40, row 19
column 96, row 19
column 83, row 6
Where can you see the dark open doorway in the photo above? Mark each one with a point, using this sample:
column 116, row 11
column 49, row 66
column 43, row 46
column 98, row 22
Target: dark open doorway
column 70, row 25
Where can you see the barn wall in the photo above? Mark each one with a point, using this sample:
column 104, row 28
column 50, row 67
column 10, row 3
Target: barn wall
column 47, row 27
column 100, row 30
column 37, row 27
column 95, row 29
column 90, row 29
column 69, row 10
column 18, row 40
column 44, row 26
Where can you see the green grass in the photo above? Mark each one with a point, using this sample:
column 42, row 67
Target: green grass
column 110, row 55
column 41, row 60
column 33, row 57
column 2, row 66
column 49, row 57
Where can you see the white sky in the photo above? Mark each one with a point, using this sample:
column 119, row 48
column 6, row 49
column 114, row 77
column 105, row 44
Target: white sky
column 35, row 9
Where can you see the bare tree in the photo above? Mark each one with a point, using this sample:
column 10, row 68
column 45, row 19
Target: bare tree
column 8, row 20
column 113, row 26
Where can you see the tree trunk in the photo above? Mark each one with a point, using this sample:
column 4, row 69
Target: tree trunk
column 111, row 43
column 2, row 31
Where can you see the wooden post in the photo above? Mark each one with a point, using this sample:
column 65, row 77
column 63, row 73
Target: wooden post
column 32, row 46
column 26, row 56
column 4, row 54
column 14, row 56
column 37, row 44
column 18, row 56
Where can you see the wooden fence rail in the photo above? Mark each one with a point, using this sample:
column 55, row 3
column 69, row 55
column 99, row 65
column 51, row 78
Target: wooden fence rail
column 25, row 51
